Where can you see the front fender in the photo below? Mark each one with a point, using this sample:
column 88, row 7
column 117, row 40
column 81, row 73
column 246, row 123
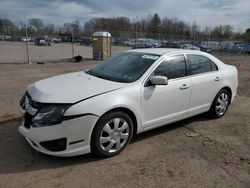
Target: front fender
column 128, row 98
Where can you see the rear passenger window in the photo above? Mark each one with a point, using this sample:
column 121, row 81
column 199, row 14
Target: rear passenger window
column 174, row 67
column 200, row 64
column 213, row 66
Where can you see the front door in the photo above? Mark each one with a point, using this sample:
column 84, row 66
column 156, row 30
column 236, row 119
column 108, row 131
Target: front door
column 165, row 103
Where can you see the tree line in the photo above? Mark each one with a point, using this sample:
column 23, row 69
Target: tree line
column 122, row 27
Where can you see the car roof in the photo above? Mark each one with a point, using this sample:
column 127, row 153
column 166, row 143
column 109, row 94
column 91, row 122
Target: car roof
column 163, row 51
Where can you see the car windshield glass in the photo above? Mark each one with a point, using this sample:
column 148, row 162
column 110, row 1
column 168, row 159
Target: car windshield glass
column 125, row 67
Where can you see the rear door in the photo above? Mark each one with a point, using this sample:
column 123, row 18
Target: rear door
column 206, row 82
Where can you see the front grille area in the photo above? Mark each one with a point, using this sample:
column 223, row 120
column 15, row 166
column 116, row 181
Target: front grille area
column 24, row 102
column 55, row 145
column 34, row 104
column 27, row 120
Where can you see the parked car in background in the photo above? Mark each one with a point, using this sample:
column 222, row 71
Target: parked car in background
column 86, row 41
column 118, row 42
column 213, row 45
column 40, row 41
column 143, row 45
column 239, row 47
column 24, row 39
column 189, row 47
column 204, row 48
column 170, row 45
column 54, row 40
column 130, row 42
column 247, row 48
column 6, row 37
column 99, row 110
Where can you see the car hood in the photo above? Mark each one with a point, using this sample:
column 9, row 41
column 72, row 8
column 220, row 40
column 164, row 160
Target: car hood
column 70, row 88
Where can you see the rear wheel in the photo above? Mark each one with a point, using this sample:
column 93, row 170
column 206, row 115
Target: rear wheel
column 220, row 104
column 111, row 134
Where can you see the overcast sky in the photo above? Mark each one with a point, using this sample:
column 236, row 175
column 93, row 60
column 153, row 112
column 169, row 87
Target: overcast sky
column 204, row 12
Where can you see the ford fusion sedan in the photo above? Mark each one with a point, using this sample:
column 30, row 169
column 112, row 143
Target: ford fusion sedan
column 99, row 110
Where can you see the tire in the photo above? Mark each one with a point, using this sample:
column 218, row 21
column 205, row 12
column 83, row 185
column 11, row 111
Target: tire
column 112, row 134
column 220, row 104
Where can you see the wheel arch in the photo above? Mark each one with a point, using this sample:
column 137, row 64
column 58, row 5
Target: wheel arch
column 229, row 90
column 127, row 111
column 94, row 134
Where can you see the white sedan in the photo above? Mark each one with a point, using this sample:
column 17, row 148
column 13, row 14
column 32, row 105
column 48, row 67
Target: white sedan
column 99, row 110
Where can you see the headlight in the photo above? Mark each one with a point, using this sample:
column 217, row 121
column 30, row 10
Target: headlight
column 49, row 115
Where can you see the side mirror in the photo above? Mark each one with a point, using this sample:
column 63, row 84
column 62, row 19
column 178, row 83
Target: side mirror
column 159, row 80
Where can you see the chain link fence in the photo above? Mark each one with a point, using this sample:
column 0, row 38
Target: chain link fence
column 39, row 48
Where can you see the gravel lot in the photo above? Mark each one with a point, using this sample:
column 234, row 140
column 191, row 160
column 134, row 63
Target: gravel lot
column 170, row 156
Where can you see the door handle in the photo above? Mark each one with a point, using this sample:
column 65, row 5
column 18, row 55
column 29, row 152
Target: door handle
column 184, row 86
column 217, row 79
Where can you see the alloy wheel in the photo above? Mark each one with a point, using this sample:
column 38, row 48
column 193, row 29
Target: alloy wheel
column 114, row 135
column 221, row 104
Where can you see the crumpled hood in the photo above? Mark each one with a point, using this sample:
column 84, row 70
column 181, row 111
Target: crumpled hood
column 70, row 88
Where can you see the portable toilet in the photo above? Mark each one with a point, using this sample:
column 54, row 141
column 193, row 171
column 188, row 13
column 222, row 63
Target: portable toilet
column 101, row 45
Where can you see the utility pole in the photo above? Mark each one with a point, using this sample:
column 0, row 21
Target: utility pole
column 73, row 48
column 136, row 27
column 27, row 43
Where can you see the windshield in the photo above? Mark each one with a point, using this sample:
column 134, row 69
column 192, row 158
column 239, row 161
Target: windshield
column 125, row 67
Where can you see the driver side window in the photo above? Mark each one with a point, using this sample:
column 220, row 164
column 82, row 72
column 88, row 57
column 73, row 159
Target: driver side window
column 174, row 67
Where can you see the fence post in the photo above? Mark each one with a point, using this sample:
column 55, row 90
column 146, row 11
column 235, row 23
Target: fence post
column 27, row 43
column 73, row 48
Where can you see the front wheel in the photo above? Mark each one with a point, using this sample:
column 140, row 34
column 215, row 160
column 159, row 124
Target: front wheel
column 111, row 134
column 220, row 104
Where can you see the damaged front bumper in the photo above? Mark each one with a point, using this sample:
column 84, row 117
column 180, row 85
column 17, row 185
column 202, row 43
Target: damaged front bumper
column 70, row 138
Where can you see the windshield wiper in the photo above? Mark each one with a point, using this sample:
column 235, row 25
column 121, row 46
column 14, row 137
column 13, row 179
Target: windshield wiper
column 88, row 72
column 99, row 76
column 96, row 75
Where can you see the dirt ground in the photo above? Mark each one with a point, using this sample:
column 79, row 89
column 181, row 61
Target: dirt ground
column 170, row 156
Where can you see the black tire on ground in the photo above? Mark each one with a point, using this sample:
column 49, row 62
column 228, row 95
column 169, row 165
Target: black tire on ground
column 95, row 143
column 212, row 112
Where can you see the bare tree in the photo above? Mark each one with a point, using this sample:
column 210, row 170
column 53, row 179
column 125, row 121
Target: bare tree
column 49, row 29
column 247, row 35
column 36, row 24
column 222, row 32
column 7, row 27
column 123, row 27
column 155, row 25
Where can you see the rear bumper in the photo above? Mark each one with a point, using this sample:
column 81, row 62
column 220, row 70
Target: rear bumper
column 76, row 131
